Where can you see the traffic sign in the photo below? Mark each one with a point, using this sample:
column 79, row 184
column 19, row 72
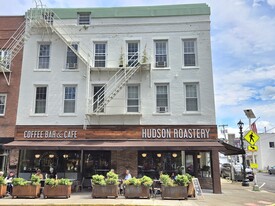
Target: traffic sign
column 252, row 148
column 253, row 165
column 251, row 137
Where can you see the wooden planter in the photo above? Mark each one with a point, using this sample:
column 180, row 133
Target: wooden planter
column 57, row 191
column 177, row 192
column 105, row 191
column 26, row 191
column 3, row 190
column 191, row 190
column 132, row 191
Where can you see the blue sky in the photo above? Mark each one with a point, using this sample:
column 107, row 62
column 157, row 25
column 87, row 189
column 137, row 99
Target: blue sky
column 243, row 53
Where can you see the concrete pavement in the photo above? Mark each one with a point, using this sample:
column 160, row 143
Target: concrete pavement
column 233, row 195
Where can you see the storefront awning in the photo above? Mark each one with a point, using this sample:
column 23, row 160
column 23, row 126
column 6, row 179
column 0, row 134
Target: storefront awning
column 231, row 150
column 116, row 145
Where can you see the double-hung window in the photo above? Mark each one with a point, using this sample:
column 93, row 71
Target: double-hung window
column 40, row 100
column 161, row 53
column 71, row 62
column 84, row 18
column 44, row 56
column 191, row 95
column 69, row 99
column 133, row 98
column 133, row 53
column 100, row 54
column 5, row 58
column 3, row 100
column 98, row 97
column 162, row 98
column 189, row 53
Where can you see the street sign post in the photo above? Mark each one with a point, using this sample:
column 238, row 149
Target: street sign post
column 252, row 148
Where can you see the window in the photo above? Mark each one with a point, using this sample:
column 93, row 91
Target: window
column 98, row 97
column 271, row 145
column 69, row 99
column 3, row 99
column 84, row 18
column 191, row 97
column 71, row 62
column 5, row 58
column 133, row 53
column 40, row 100
column 133, row 98
column 162, row 98
column 189, row 53
column 100, row 54
column 161, row 53
column 44, row 56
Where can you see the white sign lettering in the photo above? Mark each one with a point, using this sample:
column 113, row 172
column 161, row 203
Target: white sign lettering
column 37, row 134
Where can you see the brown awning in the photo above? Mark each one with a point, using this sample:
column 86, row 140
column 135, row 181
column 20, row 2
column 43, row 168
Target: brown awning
column 116, row 145
column 231, row 150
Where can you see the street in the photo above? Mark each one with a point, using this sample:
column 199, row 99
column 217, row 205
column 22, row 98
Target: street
column 268, row 179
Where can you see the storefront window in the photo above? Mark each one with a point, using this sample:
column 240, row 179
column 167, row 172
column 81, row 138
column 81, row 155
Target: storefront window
column 96, row 162
column 151, row 163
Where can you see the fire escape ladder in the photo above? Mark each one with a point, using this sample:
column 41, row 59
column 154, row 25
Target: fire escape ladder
column 113, row 86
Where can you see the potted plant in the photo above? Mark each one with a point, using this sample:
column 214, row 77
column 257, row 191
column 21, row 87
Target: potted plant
column 57, row 188
column 138, row 188
column 144, row 58
column 174, row 189
column 24, row 188
column 105, row 187
column 3, row 185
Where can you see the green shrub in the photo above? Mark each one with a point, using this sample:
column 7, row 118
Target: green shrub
column 2, row 181
column 35, row 180
column 51, row 181
column 18, row 181
column 146, row 181
column 166, row 180
column 64, row 181
column 189, row 177
column 182, row 180
column 98, row 180
column 112, row 178
column 132, row 181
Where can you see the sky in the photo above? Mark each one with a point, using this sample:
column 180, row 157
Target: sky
column 243, row 53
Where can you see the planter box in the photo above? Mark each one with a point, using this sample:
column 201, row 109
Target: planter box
column 132, row 191
column 57, row 191
column 105, row 191
column 26, row 191
column 191, row 190
column 3, row 190
column 177, row 192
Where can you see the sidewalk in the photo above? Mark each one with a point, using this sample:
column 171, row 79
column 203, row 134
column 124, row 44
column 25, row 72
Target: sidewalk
column 233, row 195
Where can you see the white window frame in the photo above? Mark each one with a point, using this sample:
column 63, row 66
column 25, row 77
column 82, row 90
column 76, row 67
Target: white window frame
column 84, row 18
column 47, row 56
column 35, row 100
column 70, row 54
column 192, row 51
column 5, row 58
column 162, row 108
column 187, row 97
column 100, row 54
column 69, row 99
column 4, row 104
column 93, row 95
column 135, row 99
column 133, row 57
column 164, row 62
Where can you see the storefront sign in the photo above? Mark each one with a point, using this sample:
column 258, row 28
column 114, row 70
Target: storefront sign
column 40, row 134
column 162, row 133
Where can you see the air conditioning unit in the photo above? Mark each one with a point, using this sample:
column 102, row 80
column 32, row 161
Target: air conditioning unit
column 161, row 64
column 162, row 109
column 71, row 65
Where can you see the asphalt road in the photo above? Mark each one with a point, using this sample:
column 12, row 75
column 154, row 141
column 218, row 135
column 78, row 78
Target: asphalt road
column 266, row 178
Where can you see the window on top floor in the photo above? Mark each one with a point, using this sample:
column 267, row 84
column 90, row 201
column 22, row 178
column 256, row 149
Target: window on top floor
column 40, row 99
column 5, row 58
column 100, row 54
column 189, row 53
column 71, row 62
column 84, row 18
column 69, row 99
column 132, row 53
column 3, row 100
column 161, row 51
column 44, row 56
column 162, row 98
column 191, row 95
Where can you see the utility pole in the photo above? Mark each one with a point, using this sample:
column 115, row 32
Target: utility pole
column 223, row 130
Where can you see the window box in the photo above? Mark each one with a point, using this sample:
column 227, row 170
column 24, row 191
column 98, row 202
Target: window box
column 26, row 191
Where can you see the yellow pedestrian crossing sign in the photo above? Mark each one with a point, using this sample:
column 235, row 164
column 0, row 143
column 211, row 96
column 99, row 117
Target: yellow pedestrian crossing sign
column 251, row 137
column 252, row 148
column 254, row 165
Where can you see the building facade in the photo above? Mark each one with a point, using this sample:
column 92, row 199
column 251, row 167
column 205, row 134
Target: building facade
column 118, row 88
column 10, row 71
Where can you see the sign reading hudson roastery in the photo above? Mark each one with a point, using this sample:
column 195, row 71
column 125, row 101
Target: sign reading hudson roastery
column 50, row 134
column 176, row 133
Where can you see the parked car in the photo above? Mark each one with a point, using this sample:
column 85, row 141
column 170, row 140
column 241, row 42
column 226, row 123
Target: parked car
column 226, row 172
column 248, row 171
column 271, row 170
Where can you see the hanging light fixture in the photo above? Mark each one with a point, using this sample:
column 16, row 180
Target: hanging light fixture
column 198, row 156
column 65, row 156
column 174, row 154
column 143, row 154
column 51, row 155
column 37, row 156
column 158, row 154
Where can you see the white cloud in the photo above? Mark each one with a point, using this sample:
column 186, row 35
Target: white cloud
column 271, row 2
column 268, row 93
